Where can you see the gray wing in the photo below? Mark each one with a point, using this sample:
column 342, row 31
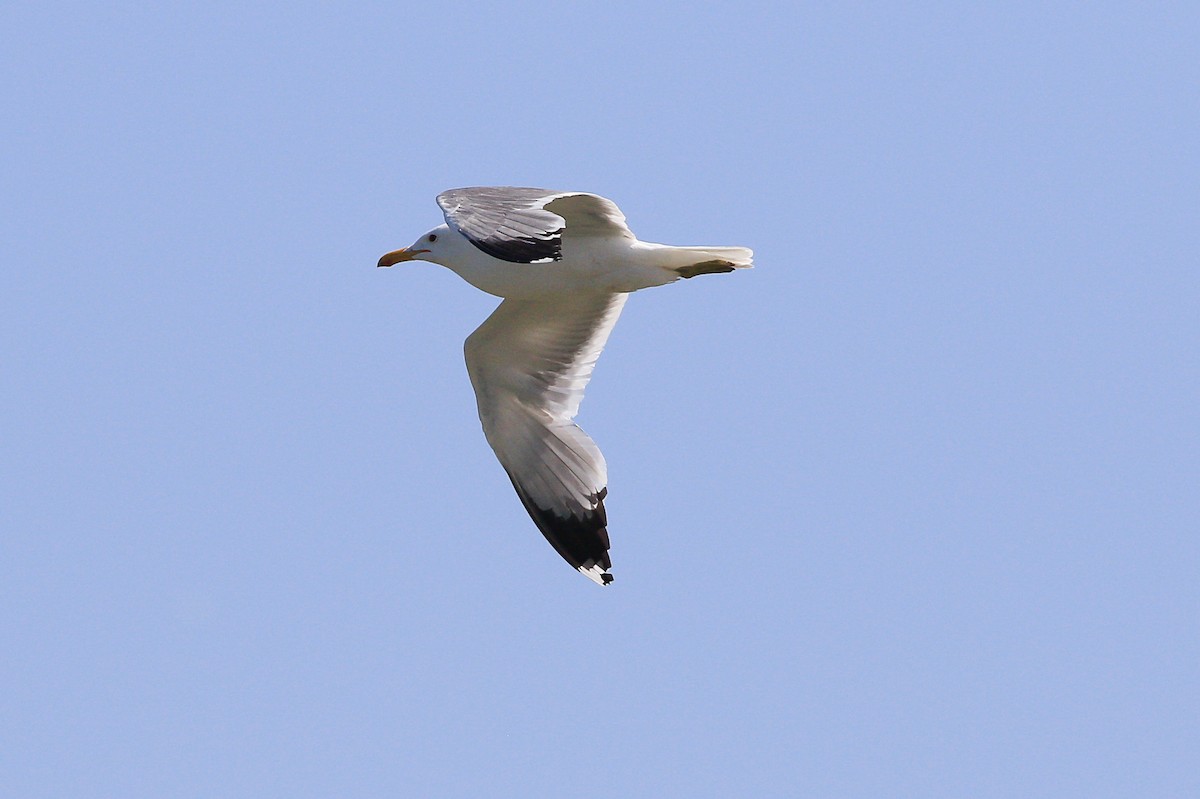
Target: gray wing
column 529, row 363
column 522, row 225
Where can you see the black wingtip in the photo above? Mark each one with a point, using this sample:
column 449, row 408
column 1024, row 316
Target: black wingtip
column 581, row 541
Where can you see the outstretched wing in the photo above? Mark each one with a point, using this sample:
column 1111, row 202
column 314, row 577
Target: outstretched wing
column 529, row 363
column 527, row 225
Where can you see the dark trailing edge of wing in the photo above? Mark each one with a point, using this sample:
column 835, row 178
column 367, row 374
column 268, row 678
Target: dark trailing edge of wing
column 506, row 222
column 579, row 541
column 521, row 250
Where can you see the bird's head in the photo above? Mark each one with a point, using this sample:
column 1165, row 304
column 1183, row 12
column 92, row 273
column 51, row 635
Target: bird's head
column 436, row 246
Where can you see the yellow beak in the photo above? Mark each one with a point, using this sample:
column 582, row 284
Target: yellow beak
column 396, row 256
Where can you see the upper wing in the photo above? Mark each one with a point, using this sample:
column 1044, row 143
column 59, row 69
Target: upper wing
column 527, row 225
column 529, row 363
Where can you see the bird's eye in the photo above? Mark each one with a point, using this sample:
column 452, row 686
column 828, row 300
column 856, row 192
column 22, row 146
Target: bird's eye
column 433, row 237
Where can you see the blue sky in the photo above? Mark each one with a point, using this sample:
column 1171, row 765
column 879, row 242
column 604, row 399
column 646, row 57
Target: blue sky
column 910, row 509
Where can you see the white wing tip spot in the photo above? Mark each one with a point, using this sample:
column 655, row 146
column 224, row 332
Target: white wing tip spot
column 595, row 573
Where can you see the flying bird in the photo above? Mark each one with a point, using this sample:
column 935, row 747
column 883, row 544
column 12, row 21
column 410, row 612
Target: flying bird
column 564, row 263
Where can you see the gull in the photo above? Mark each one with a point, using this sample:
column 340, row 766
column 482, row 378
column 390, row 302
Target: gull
column 564, row 263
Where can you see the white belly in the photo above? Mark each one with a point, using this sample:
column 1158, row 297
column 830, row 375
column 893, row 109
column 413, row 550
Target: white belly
column 600, row 267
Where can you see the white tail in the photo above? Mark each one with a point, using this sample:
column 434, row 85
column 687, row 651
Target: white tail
column 692, row 261
column 738, row 257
